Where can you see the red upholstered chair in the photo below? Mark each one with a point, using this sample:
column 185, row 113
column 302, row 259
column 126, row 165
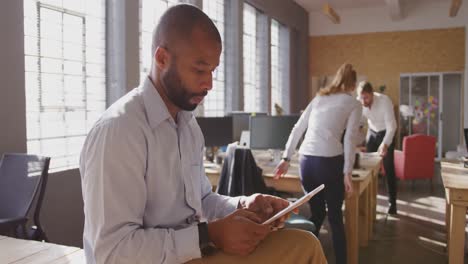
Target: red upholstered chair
column 416, row 161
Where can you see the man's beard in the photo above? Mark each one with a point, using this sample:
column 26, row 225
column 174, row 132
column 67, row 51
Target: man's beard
column 177, row 92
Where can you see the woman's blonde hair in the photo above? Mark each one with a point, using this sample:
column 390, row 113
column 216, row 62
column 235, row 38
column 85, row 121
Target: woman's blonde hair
column 344, row 81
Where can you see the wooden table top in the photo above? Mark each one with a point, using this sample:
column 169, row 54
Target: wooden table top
column 19, row 251
column 454, row 175
column 368, row 161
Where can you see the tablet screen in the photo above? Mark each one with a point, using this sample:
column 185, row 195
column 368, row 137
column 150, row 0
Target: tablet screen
column 294, row 205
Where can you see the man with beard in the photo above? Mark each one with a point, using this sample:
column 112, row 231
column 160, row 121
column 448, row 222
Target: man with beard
column 146, row 196
column 378, row 109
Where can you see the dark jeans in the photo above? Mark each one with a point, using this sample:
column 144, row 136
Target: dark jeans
column 372, row 145
column 329, row 171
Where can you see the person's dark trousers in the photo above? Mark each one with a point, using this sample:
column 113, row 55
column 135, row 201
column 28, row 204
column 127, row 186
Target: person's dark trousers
column 329, row 171
column 373, row 144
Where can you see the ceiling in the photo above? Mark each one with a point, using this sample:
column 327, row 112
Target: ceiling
column 316, row 5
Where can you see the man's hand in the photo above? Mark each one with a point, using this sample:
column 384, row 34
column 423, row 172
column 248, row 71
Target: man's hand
column 281, row 169
column 238, row 233
column 265, row 206
column 383, row 150
column 362, row 148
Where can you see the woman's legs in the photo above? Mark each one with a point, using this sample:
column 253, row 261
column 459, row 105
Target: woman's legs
column 328, row 171
column 334, row 196
column 310, row 181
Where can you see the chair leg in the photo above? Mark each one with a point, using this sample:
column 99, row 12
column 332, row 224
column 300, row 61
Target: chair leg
column 38, row 234
column 42, row 236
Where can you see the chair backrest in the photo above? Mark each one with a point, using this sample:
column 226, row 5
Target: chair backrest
column 419, row 151
column 22, row 177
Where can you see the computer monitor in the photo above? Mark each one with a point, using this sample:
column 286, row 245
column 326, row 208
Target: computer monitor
column 271, row 132
column 241, row 122
column 217, row 131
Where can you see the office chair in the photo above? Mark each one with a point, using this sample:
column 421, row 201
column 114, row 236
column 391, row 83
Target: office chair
column 416, row 160
column 23, row 180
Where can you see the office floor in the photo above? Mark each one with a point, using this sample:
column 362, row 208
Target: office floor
column 415, row 235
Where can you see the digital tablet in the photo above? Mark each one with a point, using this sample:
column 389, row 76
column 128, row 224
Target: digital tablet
column 294, row 205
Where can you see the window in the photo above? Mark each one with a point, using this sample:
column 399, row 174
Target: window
column 64, row 44
column 279, row 66
column 251, row 63
column 214, row 103
column 150, row 13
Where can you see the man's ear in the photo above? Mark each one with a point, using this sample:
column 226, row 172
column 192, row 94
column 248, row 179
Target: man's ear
column 161, row 56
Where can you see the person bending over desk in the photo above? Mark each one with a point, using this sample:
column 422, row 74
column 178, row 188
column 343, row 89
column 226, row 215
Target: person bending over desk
column 378, row 109
column 146, row 196
column 323, row 158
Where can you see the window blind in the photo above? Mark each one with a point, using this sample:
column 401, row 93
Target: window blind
column 250, row 58
column 279, row 46
column 64, row 46
column 214, row 103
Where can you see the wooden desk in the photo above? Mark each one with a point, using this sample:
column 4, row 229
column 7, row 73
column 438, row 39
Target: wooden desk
column 18, row 251
column 455, row 179
column 360, row 208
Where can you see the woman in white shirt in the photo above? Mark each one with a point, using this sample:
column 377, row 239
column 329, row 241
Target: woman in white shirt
column 324, row 157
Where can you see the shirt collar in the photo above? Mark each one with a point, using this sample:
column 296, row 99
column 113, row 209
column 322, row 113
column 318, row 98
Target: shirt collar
column 156, row 109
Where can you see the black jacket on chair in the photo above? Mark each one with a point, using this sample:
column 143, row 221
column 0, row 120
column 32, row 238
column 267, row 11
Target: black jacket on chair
column 240, row 175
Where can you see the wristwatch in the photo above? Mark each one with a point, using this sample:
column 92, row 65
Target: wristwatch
column 287, row 159
column 207, row 248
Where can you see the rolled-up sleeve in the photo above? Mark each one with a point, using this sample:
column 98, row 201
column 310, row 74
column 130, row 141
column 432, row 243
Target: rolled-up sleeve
column 113, row 166
column 390, row 122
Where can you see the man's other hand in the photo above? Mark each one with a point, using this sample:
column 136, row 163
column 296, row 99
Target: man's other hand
column 238, row 233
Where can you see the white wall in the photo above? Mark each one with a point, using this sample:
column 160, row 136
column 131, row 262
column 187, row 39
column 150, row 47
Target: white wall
column 417, row 15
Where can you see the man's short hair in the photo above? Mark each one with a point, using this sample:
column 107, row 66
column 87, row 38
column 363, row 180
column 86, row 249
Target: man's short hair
column 365, row 87
column 177, row 24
